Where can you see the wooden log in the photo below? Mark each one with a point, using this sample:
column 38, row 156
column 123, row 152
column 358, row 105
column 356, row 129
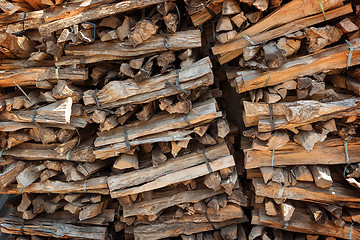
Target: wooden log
column 93, row 14
column 290, row 115
column 190, row 224
column 331, row 58
column 293, row 154
column 166, row 200
column 202, row 112
column 287, row 14
column 52, row 229
column 119, row 148
column 11, row 172
column 322, row 176
column 305, row 191
column 93, row 185
column 198, row 12
column 176, row 170
column 119, row 93
column 33, row 151
column 117, row 50
column 306, row 225
column 32, row 76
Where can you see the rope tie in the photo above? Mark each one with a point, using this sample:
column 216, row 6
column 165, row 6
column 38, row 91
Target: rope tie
column 23, row 26
column 346, row 170
column 126, row 138
column 23, row 92
column 21, row 190
column 96, row 98
column 292, row 172
column 247, row 38
column 84, row 185
column 94, row 29
column 281, row 192
column 351, row 49
column 211, row 12
column 209, row 221
column 267, row 80
column 1, row 152
column 33, row 118
column 165, row 41
column 272, row 157
column 77, row 144
column 186, row 120
column 177, row 83
column 22, row 228
column 351, row 229
column 271, row 112
column 322, row 9
column 286, row 224
column 57, row 73
column 206, row 160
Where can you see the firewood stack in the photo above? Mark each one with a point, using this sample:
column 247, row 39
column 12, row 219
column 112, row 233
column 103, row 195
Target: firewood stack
column 300, row 107
column 111, row 127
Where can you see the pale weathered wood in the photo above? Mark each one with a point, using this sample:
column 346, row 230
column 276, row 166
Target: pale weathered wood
column 154, row 206
column 118, row 93
column 52, row 229
column 306, row 225
column 305, row 191
column 330, row 58
column 289, row 13
column 294, row 154
column 172, row 227
column 173, row 170
column 117, row 50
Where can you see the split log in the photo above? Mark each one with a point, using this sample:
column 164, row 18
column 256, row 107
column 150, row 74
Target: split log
column 33, row 76
column 52, row 229
column 190, row 224
column 160, row 123
column 198, row 10
column 287, row 14
column 181, row 169
column 117, row 50
column 305, row 191
column 97, row 12
column 327, row 59
column 93, row 185
column 294, row 154
column 119, row 93
column 306, row 225
column 293, row 114
column 166, row 200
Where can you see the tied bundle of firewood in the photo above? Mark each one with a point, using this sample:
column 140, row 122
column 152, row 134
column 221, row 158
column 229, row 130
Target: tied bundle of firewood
column 110, row 126
column 300, row 107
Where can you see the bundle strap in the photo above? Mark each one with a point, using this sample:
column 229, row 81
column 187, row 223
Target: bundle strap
column 281, row 192
column 351, row 230
column 126, row 138
column 209, row 221
column 247, row 38
column 351, row 49
column 322, row 9
column 211, row 12
column 272, row 157
column 346, row 170
column 271, row 112
column 206, row 160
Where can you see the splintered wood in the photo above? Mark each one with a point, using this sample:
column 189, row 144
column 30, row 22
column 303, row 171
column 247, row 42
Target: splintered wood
column 120, row 119
column 111, row 124
column 296, row 71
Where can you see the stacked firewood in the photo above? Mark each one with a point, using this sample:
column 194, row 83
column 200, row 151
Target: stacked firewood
column 300, row 112
column 110, row 125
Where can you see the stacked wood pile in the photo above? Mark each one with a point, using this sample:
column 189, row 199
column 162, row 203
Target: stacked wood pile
column 110, row 126
column 300, row 112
